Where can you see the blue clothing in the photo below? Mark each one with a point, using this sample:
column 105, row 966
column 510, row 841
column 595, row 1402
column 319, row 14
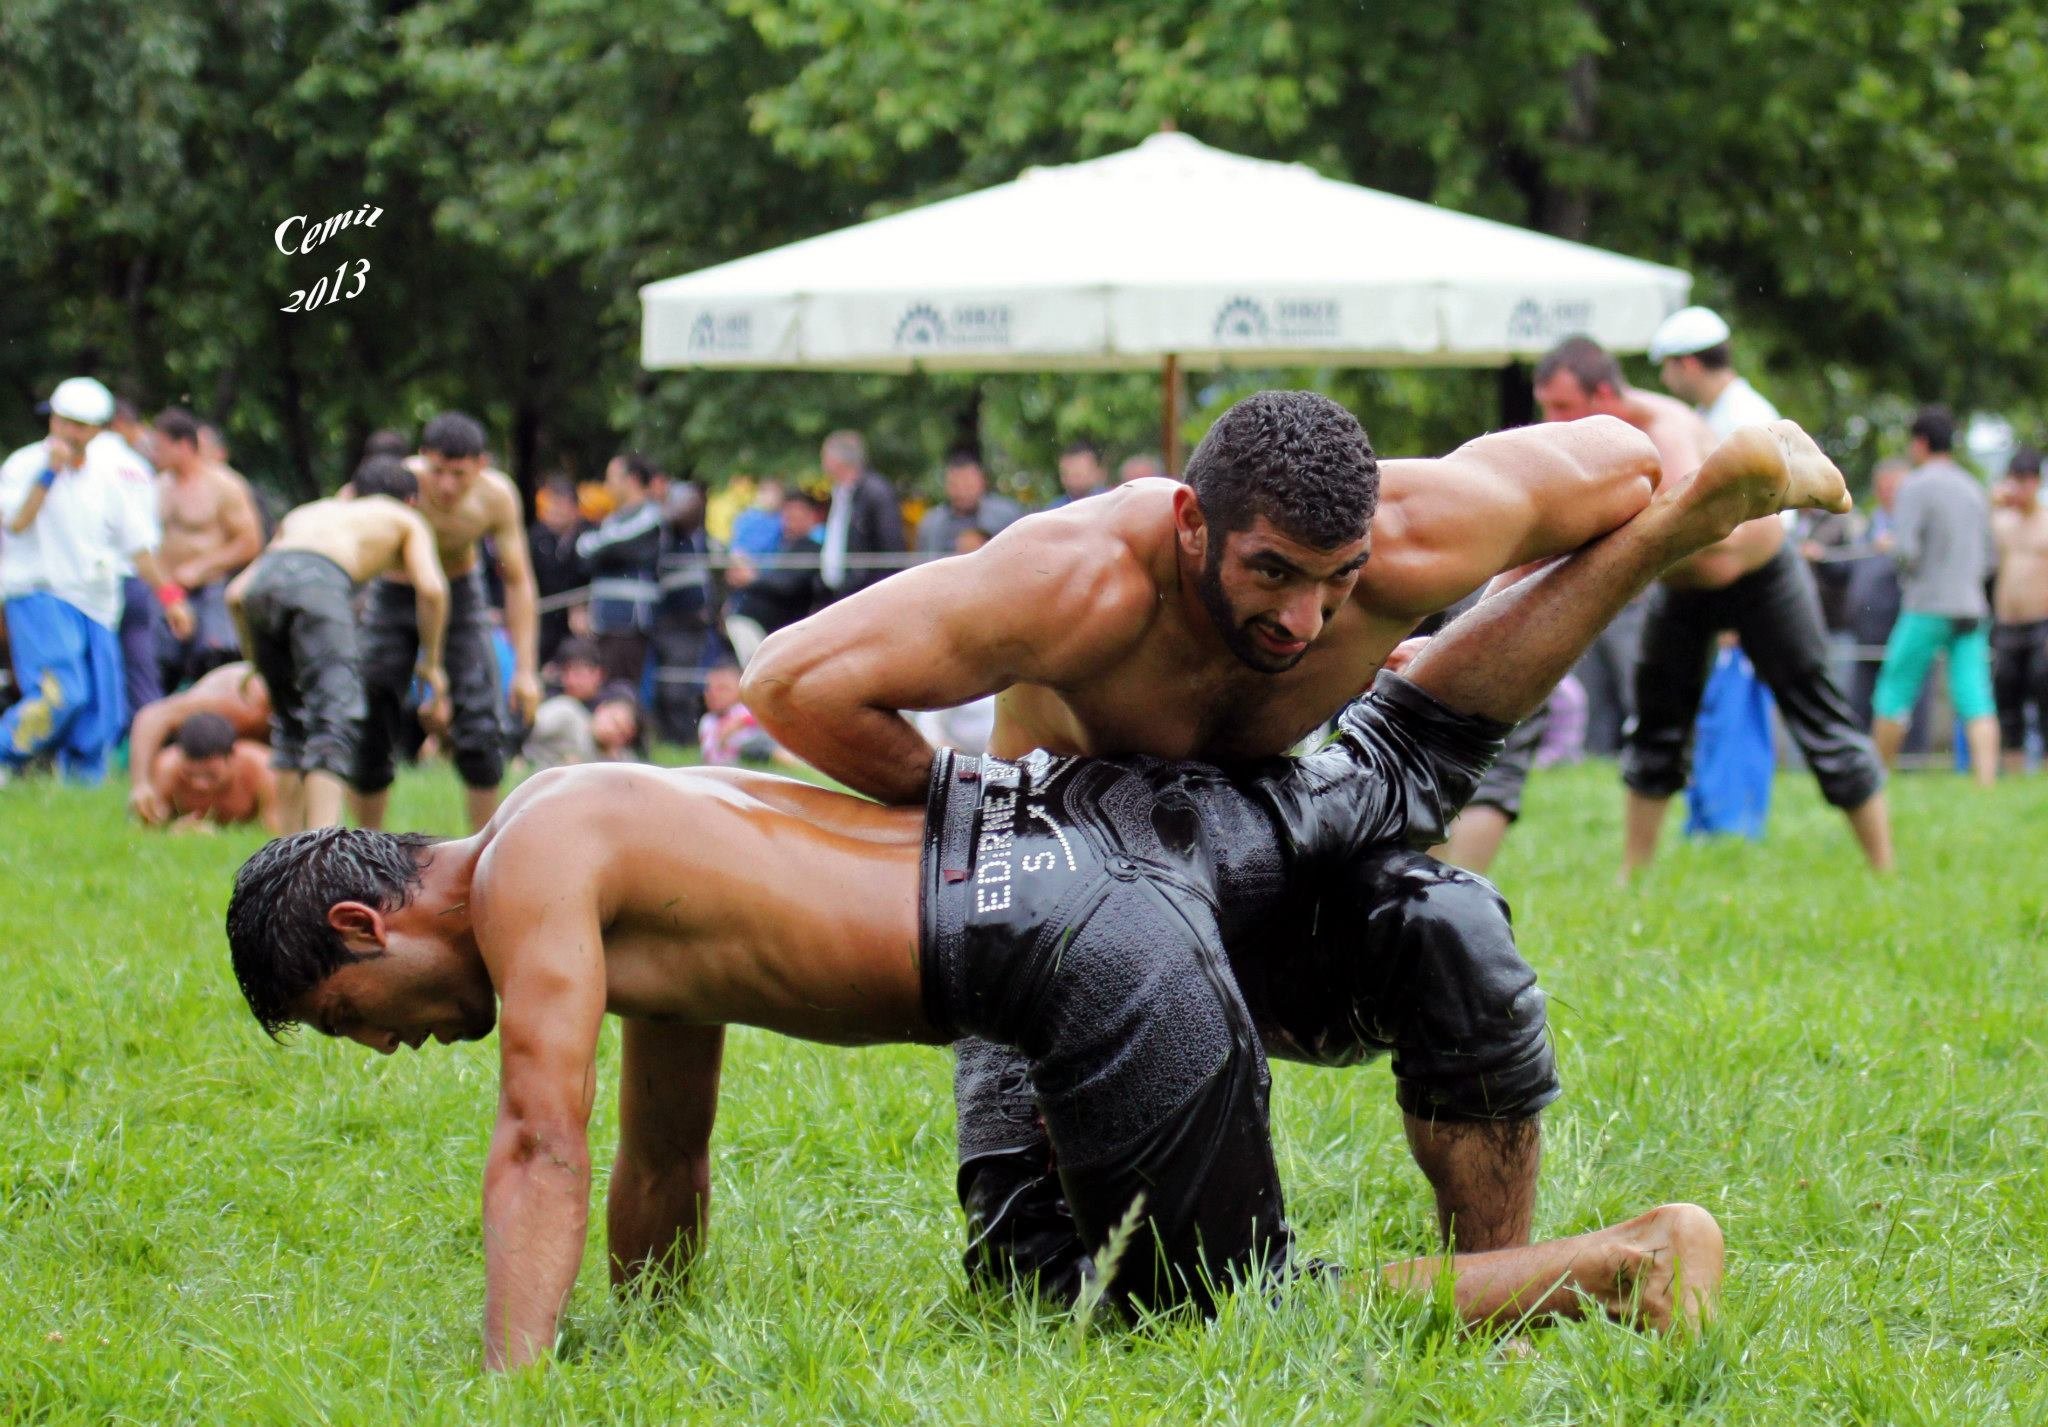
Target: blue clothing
column 756, row 531
column 1734, row 760
column 69, row 668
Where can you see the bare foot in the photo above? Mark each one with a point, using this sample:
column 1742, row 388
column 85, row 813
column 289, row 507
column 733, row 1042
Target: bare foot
column 1675, row 1279
column 1768, row 469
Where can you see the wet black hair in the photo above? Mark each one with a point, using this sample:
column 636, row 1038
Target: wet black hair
column 278, row 936
column 454, row 434
column 205, row 735
column 1295, row 457
column 386, row 475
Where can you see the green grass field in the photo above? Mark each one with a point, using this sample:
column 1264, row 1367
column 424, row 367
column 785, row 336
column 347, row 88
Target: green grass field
column 197, row 1225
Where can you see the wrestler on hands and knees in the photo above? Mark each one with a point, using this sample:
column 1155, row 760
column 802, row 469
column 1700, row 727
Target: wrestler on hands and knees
column 234, row 692
column 1076, row 909
column 208, row 778
column 1225, row 619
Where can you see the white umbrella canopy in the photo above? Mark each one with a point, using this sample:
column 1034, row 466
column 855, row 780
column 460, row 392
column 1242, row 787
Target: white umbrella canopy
column 1168, row 250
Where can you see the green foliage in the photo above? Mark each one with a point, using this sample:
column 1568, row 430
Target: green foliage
column 1859, row 188
column 199, row 1226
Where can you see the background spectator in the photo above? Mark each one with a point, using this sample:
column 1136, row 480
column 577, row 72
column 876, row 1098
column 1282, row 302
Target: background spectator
column 758, row 529
column 728, row 732
column 1082, row 473
column 561, row 733
column 765, row 600
column 970, row 505
column 1872, row 605
column 2019, row 606
column 864, row 517
column 1941, row 538
column 1140, row 466
column 556, row 565
column 624, row 558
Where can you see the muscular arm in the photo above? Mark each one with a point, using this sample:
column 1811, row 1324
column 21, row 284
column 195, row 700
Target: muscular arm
column 522, row 621
column 1447, row 526
column 661, row 1181
column 429, row 588
column 542, row 941
column 1044, row 603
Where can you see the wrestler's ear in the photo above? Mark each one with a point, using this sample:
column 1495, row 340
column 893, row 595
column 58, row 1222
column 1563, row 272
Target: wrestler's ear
column 360, row 926
column 1190, row 526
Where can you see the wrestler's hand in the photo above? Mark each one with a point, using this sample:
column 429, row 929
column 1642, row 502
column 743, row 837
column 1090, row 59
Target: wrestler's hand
column 525, row 695
column 1404, row 654
column 148, row 805
column 434, row 711
column 194, row 825
column 179, row 617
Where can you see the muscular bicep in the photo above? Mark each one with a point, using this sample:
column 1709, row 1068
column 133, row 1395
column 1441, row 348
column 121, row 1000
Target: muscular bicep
column 1029, row 607
column 420, row 556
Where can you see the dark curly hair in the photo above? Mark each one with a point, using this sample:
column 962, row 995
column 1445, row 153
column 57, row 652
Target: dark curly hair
column 454, row 434
column 278, row 936
column 1295, row 457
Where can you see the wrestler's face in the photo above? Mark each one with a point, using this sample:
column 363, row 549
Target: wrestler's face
column 1270, row 595
column 406, row 988
column 447, row 479
column 205, row 777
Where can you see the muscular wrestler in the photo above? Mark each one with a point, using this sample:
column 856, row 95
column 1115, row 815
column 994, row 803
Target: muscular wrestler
column 1753, row 583
column 1225, row 619
column 294, row 609
column 209, row 778
column 1073, row 908
column 463, row 501
column 210, row 531
column 234, row 692
column 2019, row 607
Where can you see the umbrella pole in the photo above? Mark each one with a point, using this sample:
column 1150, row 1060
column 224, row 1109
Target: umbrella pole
column 1169, row 414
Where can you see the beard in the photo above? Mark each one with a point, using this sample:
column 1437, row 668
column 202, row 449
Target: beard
column 1237, row 633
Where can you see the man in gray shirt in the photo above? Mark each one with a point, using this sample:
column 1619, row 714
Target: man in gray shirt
column 1941, row 539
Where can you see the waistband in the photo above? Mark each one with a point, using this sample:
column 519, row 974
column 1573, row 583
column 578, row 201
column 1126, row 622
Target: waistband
column 288, row 559
column 951, row 796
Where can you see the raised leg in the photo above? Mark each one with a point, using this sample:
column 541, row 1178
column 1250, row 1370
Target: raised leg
column 1549, row 619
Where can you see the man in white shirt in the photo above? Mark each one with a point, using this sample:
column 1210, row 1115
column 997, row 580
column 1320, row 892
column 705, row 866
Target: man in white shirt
column 1691, row 352
column 65, row 504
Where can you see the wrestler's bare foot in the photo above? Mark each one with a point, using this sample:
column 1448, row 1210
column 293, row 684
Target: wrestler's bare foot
column 1667, row 1270
column 1759, row 471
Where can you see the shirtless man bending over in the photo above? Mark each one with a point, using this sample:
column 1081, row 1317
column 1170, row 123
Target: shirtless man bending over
column 1073, row 908
column 234, row 692
column 211, row 529
column 462, row 500
column 208, row 778
column 1753, row 583
column 1223, row 620
column 294, row 609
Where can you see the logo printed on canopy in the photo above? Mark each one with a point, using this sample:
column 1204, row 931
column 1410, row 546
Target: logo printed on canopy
column 727, row 332
column 963, row 327
column 1245, row 321
column 1535, row 321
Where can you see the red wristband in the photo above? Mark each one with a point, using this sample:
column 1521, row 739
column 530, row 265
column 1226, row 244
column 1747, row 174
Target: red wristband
column 170, row 592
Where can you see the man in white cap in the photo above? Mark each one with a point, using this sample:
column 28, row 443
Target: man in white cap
column 1691, row 353
column 69, row 527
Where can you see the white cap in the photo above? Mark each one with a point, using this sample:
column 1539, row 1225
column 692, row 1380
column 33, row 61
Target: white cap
column 82, row 399
column 1686, row 331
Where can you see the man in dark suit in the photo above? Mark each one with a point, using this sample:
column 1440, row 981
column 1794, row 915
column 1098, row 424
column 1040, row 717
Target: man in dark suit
column 864, row 517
